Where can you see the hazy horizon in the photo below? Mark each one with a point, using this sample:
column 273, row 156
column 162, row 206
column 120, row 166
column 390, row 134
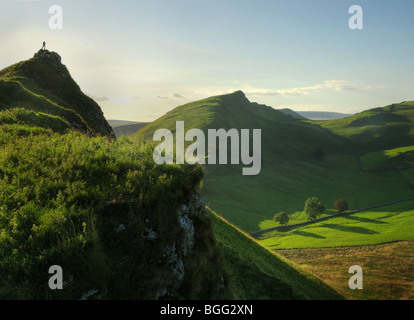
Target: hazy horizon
column 140, row 59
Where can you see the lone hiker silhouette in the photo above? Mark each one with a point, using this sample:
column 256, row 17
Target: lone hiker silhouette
column 44, row 45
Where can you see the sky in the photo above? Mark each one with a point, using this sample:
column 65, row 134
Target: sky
column 139, row 59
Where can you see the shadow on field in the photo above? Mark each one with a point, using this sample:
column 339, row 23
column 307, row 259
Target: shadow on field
column 308, row 234
column 353, row 229
column 360, row 219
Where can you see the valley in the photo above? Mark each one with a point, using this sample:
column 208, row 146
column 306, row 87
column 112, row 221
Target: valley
column 117, row 224
column 365, row 159
column 74, row 194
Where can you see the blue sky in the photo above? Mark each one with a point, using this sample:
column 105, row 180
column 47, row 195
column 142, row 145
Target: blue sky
column 139, row 59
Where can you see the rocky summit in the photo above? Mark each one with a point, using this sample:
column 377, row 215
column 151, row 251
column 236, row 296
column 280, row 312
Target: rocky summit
column 43, row 84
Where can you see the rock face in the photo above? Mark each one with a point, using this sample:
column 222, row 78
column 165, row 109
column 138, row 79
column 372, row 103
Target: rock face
column 195, row 206
column 175, row 253
column 168, row 252
column 175, row 257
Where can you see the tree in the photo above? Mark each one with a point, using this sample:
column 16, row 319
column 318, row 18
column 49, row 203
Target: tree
column 341, row 205
column 281, row 217
column 314, row 208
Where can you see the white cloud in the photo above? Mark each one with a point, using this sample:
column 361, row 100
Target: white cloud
column 305, row 91
column 337, row 85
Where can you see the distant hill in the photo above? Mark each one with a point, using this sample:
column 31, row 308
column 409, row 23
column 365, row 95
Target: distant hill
column 322, row 115
column 246, row 201
column 300, row 159
column 376, row 129
column 236, row 111
column 43, row 86
column 125, row 128
column 120, row 123
column 292, row 113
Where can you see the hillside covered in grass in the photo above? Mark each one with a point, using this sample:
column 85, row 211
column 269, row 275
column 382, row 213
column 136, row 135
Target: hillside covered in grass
column 377, row 129
column 102, row 210
column 256, row 273
column 119, row 225
column 300, row 158
column 397, row 158
column 123, row 228
column 283, row 136
column 44, row 86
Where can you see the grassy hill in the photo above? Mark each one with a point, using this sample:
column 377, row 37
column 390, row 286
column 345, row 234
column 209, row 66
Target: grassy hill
column 128, row 130
column 300, row 159
column 120, row 123
column 377, row 129
column 120, row 226
column 236, row 111
column 44, row 85
column 102, row 211
column 257, row 273
column 402, row 157
column 292, row 113
column 123, row 228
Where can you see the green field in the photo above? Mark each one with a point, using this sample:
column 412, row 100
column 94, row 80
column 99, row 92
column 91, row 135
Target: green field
column 375, row 226
column 285, row 187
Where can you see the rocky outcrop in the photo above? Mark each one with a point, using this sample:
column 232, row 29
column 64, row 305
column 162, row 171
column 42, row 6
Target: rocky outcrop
column 44, row 84
column 167, row 248
column 45, row 54
column 176, row 256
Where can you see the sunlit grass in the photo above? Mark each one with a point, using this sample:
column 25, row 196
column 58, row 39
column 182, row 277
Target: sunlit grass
column 388, row 159
column 251, row 202
column 375, row 226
